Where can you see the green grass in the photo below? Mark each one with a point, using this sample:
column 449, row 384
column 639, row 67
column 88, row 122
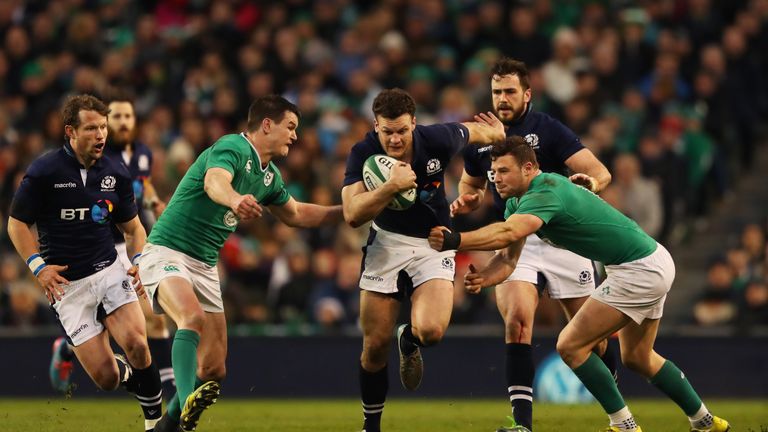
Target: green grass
column 411, row 415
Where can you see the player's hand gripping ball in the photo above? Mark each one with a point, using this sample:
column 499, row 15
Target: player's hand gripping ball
column 376, row 170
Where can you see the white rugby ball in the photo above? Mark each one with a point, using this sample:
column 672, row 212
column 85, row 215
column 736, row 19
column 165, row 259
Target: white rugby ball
column 376, row 171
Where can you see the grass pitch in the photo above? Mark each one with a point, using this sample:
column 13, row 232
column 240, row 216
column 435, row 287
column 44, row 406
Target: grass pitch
column 406, row 415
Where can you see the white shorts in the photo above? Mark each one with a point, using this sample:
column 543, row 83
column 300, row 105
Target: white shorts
column 88, row 300
column 561, row 272
column 159, row 262
column 389, row 257
column 639, row 288
column 122, row 255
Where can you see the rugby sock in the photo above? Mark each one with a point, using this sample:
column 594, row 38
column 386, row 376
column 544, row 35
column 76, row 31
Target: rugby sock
column 520, row 372
column 161, row 356
column 149, row 393
column 409, row 342
column 609, row 358
column 598, row 380
column 173, row 407
column 673, row 383
column 702, row 419
column 623, row 420
column 184, row 357
column 65, row 351
column 373, row 390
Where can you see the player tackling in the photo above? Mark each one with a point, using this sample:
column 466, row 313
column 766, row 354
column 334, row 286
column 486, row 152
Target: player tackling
column 630, row 301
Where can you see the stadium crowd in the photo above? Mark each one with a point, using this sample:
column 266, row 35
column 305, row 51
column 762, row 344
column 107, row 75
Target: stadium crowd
column 667, row 93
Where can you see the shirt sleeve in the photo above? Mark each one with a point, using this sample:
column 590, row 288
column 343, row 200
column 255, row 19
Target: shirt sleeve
column 473, row 162
column 544, row 205
column 566, row 142
column 355, row 160
column 28, row 200
column 451, row 136
column 278, row 193
column 225, row 154
column 126, row 208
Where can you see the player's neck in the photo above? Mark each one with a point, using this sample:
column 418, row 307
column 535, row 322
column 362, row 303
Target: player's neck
column 261, row 148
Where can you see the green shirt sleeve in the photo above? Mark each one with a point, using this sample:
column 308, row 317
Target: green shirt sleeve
column 544, row 204
column 225, row 154
column 278, row 195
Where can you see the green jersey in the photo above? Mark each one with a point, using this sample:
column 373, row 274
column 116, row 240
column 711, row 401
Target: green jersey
column 580, row 221
column 194, row 224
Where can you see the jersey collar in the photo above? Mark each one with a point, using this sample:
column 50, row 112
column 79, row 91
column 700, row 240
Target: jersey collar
column 524, row 116
column 242, row 134
column 69, row 151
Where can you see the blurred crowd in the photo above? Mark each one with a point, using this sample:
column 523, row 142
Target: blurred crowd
column 667, row 93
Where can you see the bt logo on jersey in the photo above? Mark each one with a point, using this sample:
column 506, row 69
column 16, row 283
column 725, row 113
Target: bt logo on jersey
column 101, row 212
column 72, row 214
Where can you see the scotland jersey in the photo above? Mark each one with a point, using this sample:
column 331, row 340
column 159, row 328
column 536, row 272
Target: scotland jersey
column 74, row 209
column 551, row 140
column 140, row 169
column 433, row 148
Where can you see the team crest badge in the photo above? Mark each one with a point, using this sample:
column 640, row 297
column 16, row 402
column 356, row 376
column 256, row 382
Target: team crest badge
column 230, row 219
column 268, row 177
column 585, row 277
column 108, row 183
column 447, row 263
column 248, row 166
column 433, row 166
column 532, row 140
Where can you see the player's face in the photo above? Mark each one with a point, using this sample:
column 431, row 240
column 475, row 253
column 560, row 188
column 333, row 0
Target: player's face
column 396, row 135
column 283, row 134
column 122, row 123
column 509, row 98
column 509, row 177
column 89, row 138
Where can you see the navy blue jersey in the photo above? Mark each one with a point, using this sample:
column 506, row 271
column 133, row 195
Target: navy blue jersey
column 433, row 148
column 552, row 141
column 74, row 216
column 140, row 169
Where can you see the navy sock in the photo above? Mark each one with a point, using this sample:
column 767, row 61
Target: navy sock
column 520, row 372
column 609, row 358
column 161, row 356
column 148, row 392
column 373, row 390
column 410, row 342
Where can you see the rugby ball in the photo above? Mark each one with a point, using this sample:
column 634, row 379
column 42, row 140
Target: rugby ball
column 376, row 172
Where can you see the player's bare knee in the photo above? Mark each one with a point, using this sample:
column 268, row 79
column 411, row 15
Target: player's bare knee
column 106, row 378
column 567, row 349
column 193, row 320
column 212, row 372
column 429, row 334
column 137, row 351
column 517, row 330
column 636, row 361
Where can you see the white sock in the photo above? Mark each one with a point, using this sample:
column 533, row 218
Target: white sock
column 150, row 424
column 702, row 419
column 623, row 419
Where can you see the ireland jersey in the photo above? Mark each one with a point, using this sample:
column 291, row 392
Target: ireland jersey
column 578, row 220
column 194, row 224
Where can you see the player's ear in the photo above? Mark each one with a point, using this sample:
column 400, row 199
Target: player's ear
column 69, row 131
column 527, row 96
column 266, row 125
column 376, row 126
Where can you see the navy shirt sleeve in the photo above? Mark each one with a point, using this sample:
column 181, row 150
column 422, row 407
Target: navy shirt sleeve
column 566, row 142
column 360, row 152
column 28, row 201
column 476, row 162
column 450, row 137
column 126, row 206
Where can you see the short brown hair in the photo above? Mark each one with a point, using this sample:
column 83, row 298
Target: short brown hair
column 515, row 146
column 272, row 107
column 392, row 103
column 510, row 66
column 84, row 102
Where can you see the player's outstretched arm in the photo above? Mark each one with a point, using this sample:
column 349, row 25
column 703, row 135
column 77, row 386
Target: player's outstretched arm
column 360, row 205
column 486, row 129
column 490, row 237
column 471, row 194
column 152, row 201
column 218, row 186
column 589, row 171
column 306, row 215
column 24, row 241
column 496, row 270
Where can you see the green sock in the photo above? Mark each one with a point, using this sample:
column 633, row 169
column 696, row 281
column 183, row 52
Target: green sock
column 599, row 381
column 673, row 383
column 173, row 407
column 184, row 360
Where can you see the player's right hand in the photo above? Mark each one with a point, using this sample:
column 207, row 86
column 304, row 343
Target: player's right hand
column 246, row 207
column 473, row 280
column 465, row 204
column 402, row 176
column 52, row 281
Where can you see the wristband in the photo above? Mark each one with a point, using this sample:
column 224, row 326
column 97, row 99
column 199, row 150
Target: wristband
column 451, row 240
column 36, row 263
column 135, row 257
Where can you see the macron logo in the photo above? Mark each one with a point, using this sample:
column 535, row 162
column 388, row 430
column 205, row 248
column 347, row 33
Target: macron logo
column 65, row 185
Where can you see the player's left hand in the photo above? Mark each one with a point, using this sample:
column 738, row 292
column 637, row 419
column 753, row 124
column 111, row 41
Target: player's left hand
column 136, row 281
column 473, row 280
column 584, row 180
column 490, row 119
column 437, row 237
column 158, row 208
